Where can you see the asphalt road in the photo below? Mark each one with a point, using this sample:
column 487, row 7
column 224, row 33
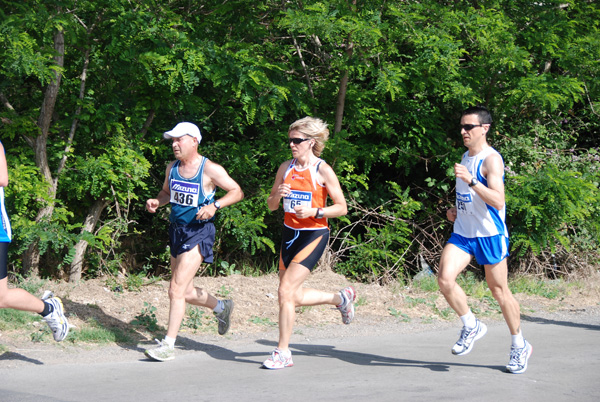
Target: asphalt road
column 361, row 366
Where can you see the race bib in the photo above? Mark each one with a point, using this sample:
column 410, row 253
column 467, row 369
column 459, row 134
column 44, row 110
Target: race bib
column 464, row 203
column 296, row 198
column 185, row 193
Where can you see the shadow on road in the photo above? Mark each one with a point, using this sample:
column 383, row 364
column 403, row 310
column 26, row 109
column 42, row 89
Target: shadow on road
column 540, row 320
column 368, row 359
column 18, row 356
column 218, row 352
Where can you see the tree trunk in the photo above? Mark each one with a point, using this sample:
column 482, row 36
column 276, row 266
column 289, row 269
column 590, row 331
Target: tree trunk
column 88, row 226
column 31, row 257
column 341, row 100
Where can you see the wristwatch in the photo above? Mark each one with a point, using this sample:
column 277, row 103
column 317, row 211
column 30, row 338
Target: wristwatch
column 474, row 182
column 217, row 205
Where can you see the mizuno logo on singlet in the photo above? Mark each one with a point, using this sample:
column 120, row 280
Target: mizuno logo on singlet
column 464, row 197
column 178, row 186
column 296, row 195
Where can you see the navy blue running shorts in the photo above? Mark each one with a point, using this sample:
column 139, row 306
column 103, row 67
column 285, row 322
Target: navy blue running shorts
column 185, row 237
column 304, row 247
column 3, row 259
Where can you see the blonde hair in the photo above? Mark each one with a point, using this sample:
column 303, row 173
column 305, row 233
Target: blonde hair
column 314, row 128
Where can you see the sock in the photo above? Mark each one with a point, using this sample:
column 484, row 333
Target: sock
column 469, row 320
column 220, row 307
column 169, row 341
column 344, row 300
column 518, row 341
column 48, row 308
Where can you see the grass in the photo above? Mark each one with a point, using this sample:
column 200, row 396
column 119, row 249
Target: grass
column 398, row 314
column 262, row 321
column 224, row 292
column 15, row 319
column 548, row 289
column 94, row 333
column 476, row 288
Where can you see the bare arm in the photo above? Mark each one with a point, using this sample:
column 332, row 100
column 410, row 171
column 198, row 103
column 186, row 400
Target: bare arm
column 164, row 195
column 220, row 178
column 339, row 207
column 3, row 168
column 279, row 189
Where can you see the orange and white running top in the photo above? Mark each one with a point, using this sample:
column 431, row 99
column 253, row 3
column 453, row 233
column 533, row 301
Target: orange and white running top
column 306, row 190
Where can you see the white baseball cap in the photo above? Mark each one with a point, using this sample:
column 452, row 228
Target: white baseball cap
column 182, row 129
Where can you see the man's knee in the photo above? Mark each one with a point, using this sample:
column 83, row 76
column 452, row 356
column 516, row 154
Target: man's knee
column 446, row 283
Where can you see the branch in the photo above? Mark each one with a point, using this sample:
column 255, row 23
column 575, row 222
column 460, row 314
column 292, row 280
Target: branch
column 6, row 103
column 63, row 161
column 306, row 74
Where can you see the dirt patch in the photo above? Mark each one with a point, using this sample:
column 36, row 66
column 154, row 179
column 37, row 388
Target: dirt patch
column 256, row 307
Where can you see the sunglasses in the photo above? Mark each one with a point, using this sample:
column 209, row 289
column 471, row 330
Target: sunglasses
column 469, row 127
column 297, row 141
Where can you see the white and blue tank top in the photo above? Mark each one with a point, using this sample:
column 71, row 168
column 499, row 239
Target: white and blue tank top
column 187, row 195
column 474, row 217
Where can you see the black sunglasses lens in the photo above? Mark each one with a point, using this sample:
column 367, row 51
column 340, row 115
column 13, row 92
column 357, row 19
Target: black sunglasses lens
column 468, row 127
column 297, row 140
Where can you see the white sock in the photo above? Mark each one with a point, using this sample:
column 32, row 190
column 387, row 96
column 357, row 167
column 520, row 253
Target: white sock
column 469, row 320
column 518, row 341
column 219, row 307
column 169, row 341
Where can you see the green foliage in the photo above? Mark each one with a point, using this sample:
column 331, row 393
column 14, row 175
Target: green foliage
column 134, row 282
column 224, row 292
column 147, row 318
column 399, row 314
column 243, row 71
column 195, row 319
column 546, row 205
column 376, row 252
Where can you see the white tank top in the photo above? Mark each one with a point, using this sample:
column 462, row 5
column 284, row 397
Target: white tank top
column 474, row 217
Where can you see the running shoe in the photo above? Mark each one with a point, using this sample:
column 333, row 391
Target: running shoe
column 467, row 339
column 278, row 360
column 348, row 296
column 161, row 353
column 56, row 320
column 519, row 358
column 224, row 317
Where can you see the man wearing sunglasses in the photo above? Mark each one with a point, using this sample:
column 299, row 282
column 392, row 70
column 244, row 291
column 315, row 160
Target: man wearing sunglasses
column 480, row 231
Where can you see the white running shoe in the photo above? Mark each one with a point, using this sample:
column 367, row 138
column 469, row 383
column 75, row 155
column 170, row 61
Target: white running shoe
column 467, row 339
column 161, row 353
column 519, row 358
column 348, row 296
column 56, row 320
column 278, row 360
